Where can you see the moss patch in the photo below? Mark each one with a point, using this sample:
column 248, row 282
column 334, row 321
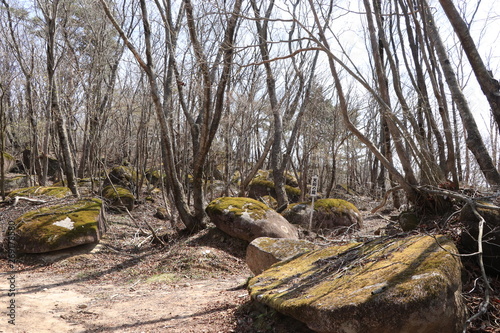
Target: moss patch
column 339, row 205
column 41, row 229
column 401, row 271
column 51, row 191
column 237, row 206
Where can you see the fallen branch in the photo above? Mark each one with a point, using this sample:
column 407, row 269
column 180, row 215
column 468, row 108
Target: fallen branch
column 16, row 200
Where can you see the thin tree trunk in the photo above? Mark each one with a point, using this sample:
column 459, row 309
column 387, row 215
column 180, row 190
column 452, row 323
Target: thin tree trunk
column 69, row 170
column 279, row 178
column 489, row 85
column 474, row 140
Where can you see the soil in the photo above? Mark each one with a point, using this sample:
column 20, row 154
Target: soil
column 130, row 283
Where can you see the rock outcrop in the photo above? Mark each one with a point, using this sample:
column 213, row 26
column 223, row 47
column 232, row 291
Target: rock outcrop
column 58, row 227
column 247, row 219
column 263, row 252
column 329, row 214
column 403, row 285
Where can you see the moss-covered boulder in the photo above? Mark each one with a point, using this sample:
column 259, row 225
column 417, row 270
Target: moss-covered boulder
column 403, row 285
column 8, row 161
column 118, row 197
column 59, row 227
column 15, row 181
column 263, row 185
column 123, row 176
column 156, row 177
column 329, row 214
column 263, row 252
column 491, row 234
column 247, row 219
column 41, row 191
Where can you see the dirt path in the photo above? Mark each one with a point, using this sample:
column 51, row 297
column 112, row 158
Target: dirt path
column 50, row 304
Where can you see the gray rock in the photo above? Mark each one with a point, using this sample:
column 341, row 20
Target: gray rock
column 403, row 285
column 491, row 232
column 329, row 214
column 263, row 252
column 57, row 227
column 247, row 219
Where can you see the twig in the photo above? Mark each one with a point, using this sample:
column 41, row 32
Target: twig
column 483, row 308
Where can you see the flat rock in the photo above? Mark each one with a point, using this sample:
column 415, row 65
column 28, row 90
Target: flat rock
column 248, row 219
column 403, row 285
column 263, row 252
column 56, row 227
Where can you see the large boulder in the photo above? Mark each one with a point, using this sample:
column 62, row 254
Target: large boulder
column 329, row 214
column 119, row 197
column 14, row 181
column 402, row 285
column 57, row 227
column 41, row 191
column 263, row 184
column 8, row 161
column 263, row 252
column 123, row 176
column 491, row 233
column 247, row 219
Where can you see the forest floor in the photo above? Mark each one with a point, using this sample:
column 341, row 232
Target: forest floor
column 129, row 284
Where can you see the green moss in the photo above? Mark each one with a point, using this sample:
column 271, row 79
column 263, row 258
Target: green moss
column 8, row 157
column 292, row 191
column 405, row 269
column 39, row 224
column 116, row 192
column 51, row 191
column 262, row 182
column 237, row 206
column 340, row 205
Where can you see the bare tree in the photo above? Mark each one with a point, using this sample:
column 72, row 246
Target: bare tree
column 474, row 140
column 50, row 12
column 205, row 126
column 489, row 85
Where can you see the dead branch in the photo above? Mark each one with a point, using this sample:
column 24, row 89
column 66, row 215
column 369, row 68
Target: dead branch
column 483, row 308
column 386, row 195
column 14, row 201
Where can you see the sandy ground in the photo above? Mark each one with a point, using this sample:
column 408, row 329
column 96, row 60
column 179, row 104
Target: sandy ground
column 55, row 304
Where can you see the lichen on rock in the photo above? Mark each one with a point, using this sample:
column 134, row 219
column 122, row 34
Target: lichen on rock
column 247, row 219
column 58, row 227
column 329, row 214
column 400, row 285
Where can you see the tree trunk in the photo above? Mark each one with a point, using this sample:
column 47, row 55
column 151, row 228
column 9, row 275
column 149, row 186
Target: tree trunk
column 69, row 170
column 489, row 85
column 474, row 140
